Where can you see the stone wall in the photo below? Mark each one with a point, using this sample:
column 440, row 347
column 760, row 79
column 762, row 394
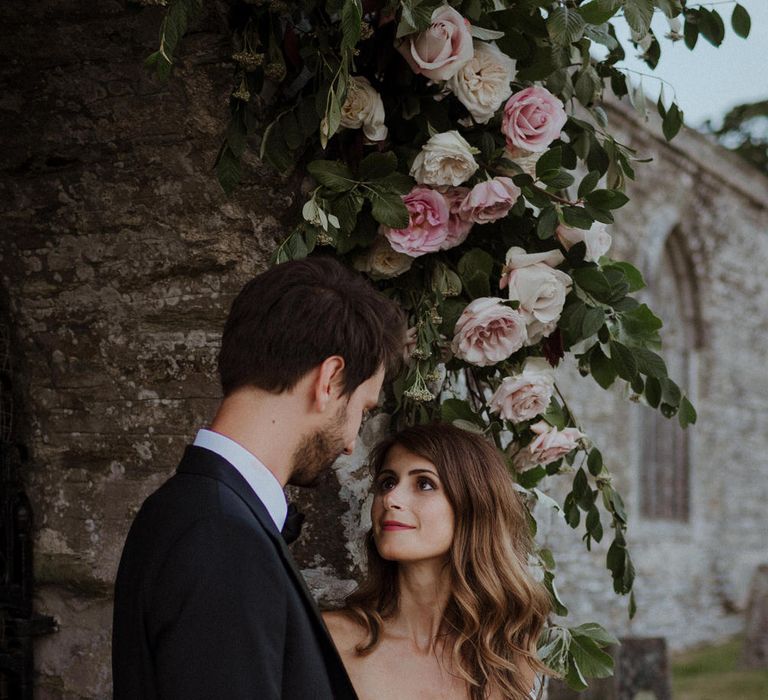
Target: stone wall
column 120, row 256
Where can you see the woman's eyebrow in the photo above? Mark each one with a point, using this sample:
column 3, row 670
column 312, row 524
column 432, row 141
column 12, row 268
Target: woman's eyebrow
column 422, row 471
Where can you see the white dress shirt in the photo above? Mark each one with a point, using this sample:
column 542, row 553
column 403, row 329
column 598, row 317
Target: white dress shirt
column 259, row 478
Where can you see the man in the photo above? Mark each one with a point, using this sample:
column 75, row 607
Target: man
column 209, row 604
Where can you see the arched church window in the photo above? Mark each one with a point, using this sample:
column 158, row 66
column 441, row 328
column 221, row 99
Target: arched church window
column 665, row 463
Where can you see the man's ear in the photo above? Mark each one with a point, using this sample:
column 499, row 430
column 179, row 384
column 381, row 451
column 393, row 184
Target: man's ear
column 329, row 383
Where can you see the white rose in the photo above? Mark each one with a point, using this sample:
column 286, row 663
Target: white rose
column 446, row 159
column 381, row 262
column 364, row 108
column 525, row 395
column 540, row 289
column 597, row 239
column 483, row 83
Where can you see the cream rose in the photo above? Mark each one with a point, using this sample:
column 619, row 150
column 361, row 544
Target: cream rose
column 488, row 332
column 526, row 160
column 483, row 83
column 549, row 445
column 445, row 160
column 441, row 49
column 382, row 262
column 540, row 289
column 525, row 395
column 597, row 239
column 364, row 109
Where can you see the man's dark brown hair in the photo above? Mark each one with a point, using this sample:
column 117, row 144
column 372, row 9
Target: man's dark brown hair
column 295, row 315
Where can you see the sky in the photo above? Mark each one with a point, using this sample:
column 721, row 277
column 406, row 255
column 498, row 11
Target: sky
column 708, row 81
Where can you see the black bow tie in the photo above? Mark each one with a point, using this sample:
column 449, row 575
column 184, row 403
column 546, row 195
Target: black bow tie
column 293, row 522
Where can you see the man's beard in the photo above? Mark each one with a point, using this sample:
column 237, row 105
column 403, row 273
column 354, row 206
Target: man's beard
column 318, row 451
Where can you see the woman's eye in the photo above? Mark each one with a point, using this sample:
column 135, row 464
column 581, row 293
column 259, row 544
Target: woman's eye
column 425, row 484
column 385, row 484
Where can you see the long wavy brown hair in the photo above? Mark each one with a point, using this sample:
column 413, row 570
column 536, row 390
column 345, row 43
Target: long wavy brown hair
column 496, row 610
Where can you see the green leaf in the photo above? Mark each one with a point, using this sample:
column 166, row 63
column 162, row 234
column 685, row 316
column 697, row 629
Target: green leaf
column 687, row 415
column 347, row 208
column 640, row 327
column 639, row 14
column 292, row 248
column 672, row 122
column 564, row 26
column 351, row 23
column 593, row 281
column 550, row 160
column 690, row 33
column 578, row 217
column 378, row 165
column 592, row 322
column 632, row 275
column 289, row 126
column 557, row 179
column 649, row 363
column 595, row 632
column 334, row 175
column 623, row 360
column 588, row 183
column 670, row 392
column 485, row 34
column 529, row 478
column 227, row 169
column 398, row 183
column 653, row 392
column 389, row 209
column 458, row 409
column 741, row 21
column 595, row 462
column 607, row 199
column 599, row 11
column 547, row 223
column 587, row 85
column 602, row 368
column 591, row 659
column 475, row 260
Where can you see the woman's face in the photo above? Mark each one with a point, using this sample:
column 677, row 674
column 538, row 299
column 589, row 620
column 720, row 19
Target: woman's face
column 411, row 516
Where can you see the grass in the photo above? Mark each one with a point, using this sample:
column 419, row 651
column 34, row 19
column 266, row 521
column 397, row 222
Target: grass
column 714, row 673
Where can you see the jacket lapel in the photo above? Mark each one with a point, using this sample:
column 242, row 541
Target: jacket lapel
column 198, row 460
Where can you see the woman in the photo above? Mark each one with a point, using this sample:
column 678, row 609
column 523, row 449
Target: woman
column 448, row 608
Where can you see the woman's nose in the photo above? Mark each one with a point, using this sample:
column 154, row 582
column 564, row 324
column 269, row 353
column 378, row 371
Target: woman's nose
column 392, row 499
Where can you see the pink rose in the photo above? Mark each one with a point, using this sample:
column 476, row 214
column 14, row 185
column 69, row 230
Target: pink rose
column 548, row 445
column 458, row 226
column 525, row 395
column 490, row 200
column 597, row 239
column 533, row 118
column 488, row 332
column 442, row 49
column 428, row 225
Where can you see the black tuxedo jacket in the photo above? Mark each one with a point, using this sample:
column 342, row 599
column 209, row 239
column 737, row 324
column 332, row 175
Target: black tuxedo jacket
column 209, row 604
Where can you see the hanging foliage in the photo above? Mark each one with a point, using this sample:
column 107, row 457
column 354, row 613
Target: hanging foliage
column 461, row 159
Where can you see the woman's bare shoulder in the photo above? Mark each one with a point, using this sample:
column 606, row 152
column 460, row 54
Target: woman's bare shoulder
column 347, row 632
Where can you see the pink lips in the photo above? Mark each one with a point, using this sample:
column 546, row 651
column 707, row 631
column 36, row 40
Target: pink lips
column 393, row 525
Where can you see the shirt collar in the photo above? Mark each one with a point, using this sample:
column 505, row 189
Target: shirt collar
column 263, row 482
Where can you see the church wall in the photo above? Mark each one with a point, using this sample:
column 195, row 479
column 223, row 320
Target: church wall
column 120, row 256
